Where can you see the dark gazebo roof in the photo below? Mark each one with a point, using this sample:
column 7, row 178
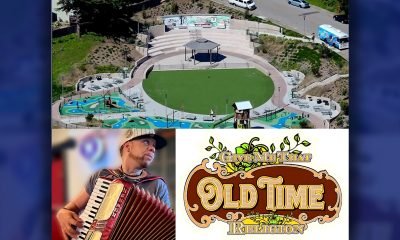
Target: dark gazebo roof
column 201, row 44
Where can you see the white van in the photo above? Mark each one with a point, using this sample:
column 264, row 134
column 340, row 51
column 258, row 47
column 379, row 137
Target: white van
column 249, row 4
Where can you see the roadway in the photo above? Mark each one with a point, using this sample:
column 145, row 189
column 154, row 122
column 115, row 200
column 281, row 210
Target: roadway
column 288, row 16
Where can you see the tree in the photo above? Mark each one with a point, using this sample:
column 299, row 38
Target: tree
column 344, row 105
column 247, row 14
column 174, row 8
column 344, row 7
column 211, row 8
column 109, row 17
column 305, row 123
column 89, row 117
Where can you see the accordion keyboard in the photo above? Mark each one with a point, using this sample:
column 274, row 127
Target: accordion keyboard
column 92, row 207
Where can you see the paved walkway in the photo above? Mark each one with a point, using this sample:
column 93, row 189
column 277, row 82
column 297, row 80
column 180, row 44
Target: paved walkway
column 322, row 83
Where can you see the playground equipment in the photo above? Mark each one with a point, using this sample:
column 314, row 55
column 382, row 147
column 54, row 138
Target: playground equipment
column 241, row 117
column 109, row 103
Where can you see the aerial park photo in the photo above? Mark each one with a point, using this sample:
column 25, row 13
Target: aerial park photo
column 198, row 64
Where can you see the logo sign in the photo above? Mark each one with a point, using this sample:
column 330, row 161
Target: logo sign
column 257, row 190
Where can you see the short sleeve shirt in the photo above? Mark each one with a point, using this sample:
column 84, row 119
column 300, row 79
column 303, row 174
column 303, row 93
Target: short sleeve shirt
column 155, row 186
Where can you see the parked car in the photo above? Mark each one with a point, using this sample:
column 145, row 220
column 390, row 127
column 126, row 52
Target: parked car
column 342, row 18
column 249, row 4
column 299, row 3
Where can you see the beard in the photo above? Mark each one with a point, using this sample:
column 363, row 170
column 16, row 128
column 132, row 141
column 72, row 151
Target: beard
column 143, row 161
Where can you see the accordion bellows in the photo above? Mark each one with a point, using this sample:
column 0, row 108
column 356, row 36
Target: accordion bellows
column 118, row 210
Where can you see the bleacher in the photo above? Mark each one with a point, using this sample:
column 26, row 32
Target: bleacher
column 229, row 40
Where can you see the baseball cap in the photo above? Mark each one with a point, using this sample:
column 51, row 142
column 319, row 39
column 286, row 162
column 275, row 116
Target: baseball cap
column 135, row 134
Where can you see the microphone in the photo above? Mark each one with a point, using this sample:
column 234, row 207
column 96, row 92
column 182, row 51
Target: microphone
column 58, row 149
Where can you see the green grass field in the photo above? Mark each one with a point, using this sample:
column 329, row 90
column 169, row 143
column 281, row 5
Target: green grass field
column 199, row 91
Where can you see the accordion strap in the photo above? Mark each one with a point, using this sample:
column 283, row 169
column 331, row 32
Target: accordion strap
column 117, row 173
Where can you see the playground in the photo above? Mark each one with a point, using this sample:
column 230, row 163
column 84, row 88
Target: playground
column 282, row 119
column 109, row 103
column 200, row 91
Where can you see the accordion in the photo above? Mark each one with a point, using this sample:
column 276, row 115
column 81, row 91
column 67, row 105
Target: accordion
column 118, row 210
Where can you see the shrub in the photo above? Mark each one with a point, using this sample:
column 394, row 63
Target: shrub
column 325, row 52
column 310, row 55
column 131, row 40
column 89, row 117
column 344, row 105
column 304, row 123
column 82, row 67
column 247, row 15
column 174, row 8
column 211, row 8
column 337, row 59
column 291, row 33
column 315, row 70
column 339, row 121
column 106, row 69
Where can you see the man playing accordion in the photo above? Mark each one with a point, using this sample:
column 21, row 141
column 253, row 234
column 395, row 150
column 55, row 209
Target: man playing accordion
column 137, row 150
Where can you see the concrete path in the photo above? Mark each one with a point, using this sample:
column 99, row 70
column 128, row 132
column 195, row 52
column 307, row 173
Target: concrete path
column 322, row 83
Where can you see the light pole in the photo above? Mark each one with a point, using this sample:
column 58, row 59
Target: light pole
column 182, row 110
column 166, row 109
column 279, row 93
column 125, row 52
column 287, row 58
column 304, row 19
column 62, row 86
column 266, row 114
column 226, row 107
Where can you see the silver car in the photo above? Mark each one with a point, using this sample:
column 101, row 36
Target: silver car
column 299, row 3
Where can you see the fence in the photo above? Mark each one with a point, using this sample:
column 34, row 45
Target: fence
column 60, row 124
column 254, row 26
column 137, row 64
column 83, row 28
column 82, row 81
column 63, row 31
column 77, row 95
column 162, row 67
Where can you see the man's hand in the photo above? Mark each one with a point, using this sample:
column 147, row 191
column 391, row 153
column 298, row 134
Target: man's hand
column 67, row 219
